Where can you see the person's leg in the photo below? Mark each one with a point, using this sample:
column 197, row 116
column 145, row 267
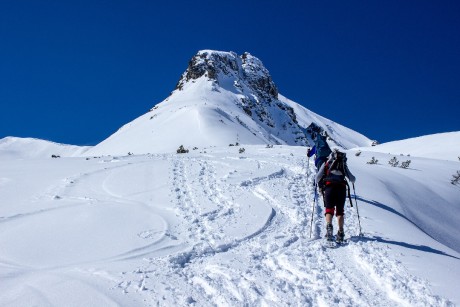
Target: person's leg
column 330, row 209
column 340, row 206
column 340, row 221
column 328, row 218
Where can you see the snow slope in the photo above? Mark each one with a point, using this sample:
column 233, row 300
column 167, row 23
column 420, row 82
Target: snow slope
column 444, row 146
column 219, row 227
column 25, row 148
column 223, row 99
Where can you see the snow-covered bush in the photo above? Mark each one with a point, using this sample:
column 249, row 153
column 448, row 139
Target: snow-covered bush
column 242, row 150
column 269, row 146
column 373, row 161
column 405, row 164
column 456, row 178
column 393, row 162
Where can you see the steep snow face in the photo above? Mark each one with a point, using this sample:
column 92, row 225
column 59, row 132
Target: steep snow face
column 22, row 148
column 223, row 99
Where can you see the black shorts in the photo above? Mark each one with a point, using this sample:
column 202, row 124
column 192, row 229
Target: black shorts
column 334, row 198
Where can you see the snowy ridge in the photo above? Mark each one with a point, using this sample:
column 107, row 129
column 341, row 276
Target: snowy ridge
column 23, row 148
column 444, row 146
column 223, row 99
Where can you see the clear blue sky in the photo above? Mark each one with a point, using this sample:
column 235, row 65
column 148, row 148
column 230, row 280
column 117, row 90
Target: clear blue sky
column 75, row 71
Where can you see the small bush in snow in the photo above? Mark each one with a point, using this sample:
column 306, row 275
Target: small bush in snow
column 456, row 178
column 182, row 149
column 358, row 153
column 393, row 162
column 405, row 164
column 373, row 161
column 55, row 156
column 242, row 150
column 269, row 146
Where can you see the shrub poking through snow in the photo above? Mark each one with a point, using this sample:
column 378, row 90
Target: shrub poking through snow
column 242, row 150
column 182, row 149
column 358, row 153
column 405, row 164
column 393, row 162
column 373, row 161
column 456, row 178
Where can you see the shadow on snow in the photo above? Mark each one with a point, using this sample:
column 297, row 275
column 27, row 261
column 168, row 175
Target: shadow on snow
column 422, row 248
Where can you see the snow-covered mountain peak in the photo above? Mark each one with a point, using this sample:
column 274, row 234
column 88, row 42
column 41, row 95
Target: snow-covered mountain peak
column 220, row 99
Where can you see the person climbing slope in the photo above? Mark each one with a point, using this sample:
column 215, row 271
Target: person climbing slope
column 321, row 149
column 332, row 181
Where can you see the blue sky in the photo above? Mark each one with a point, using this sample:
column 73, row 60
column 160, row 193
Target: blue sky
column 75, row 71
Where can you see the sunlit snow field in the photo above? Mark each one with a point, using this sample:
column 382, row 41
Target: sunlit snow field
column 219, row 227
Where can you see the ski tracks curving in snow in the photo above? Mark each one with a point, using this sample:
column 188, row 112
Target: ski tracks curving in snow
column 219, row 229
column 277, row 264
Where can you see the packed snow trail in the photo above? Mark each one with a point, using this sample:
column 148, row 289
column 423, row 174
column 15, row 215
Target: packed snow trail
column 272, row 261
column 214, row 228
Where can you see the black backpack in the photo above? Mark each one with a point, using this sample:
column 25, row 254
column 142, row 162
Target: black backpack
column 335, row 170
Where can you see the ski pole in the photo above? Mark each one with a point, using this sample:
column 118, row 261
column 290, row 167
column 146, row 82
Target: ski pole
column 357, row 211
column 313, row 211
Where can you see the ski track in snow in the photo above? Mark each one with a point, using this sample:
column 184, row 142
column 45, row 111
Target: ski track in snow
column 242, row 238
column 278, row 264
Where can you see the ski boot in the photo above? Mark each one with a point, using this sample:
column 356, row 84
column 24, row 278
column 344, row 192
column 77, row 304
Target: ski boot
column 329, row 231
column 340, row 236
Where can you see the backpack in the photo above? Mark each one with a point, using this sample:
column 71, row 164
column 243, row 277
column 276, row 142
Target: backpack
column 334, row 170
column 322, row 148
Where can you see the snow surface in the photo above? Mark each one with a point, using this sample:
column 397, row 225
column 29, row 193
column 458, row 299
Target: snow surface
column 444, row 146
column 24, row 148
column 216, row 227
